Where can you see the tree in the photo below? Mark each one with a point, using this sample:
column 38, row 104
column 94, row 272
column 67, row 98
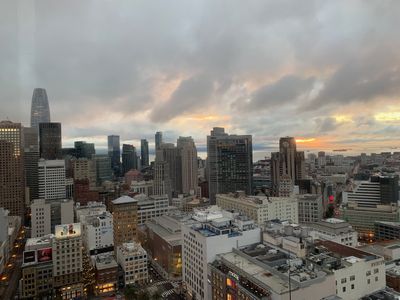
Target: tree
column 131, row 292
column 156, row 295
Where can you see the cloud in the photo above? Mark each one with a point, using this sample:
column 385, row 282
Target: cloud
column 326, row 124
column 285, row 90
column 191, row 94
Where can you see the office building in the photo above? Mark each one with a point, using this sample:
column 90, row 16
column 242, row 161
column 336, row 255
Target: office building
column 103, row 168
column 158, row 139
column 363, row 218
column 114, row 152
column 357, row 273
column 142, row 187
column 125, row 219
column 170, row 155
column 50, row 140
column 52, row 182
column 378, row 190
column 84, row 169
column 261, row 272
column 260, row 208
column 188, row 155
column 311, row 208
column 12, row 196
column 230, row 163
column 46, row 214
column 133, row 260
column 106, row 274
column 144, row 153
column 84, row 150
column 149, row 207
column 40, row 111
column 31, row 158
column 387, row 230
column 37, row 269
column 129, row 158
column 162, row 181
column 335, row 230
column 98, row 233
column 287, row 163
column 161, row 237
column 210, row 232
column 67, row 261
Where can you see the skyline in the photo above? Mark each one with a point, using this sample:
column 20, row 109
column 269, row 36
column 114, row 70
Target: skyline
column 325, row 73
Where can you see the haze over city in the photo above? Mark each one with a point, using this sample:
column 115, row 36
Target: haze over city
column 326, row 72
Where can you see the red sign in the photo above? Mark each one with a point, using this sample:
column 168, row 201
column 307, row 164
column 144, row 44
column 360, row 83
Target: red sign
column 45, row 254
column 331, row 198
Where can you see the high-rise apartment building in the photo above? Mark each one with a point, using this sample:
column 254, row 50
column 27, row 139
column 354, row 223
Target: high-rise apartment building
column 114, row 152
column 129, row 158
column 67, row 261
column 161, row 182
column 125, row 218
column 158, row 139
column 50, row 140
column 144, row 153
column 31, row 158
column 230, row 162
column 133, row 260
column 288, row 163
column 189, row 164
column 11, row 168
column 51, row 174
column 40, row 111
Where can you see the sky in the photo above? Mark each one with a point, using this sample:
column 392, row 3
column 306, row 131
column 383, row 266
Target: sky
column 325, row 72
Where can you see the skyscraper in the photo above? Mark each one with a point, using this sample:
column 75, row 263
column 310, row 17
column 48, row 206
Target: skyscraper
column 114, row 152
column 158, row 139
column 40, row 111
column 31, row 158
column 129, row 158
column 144, row 153
column 288, row 163
column 188, row 154
column 170, row 154
column 51, row 179
column 50, row 140
column 230, row 162
column 11, row 168
column 84, row 150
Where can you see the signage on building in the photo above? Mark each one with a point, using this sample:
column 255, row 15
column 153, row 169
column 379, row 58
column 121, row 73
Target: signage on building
column 234, row 275
column 45, row 254
column 29, row 256
column 68, row 230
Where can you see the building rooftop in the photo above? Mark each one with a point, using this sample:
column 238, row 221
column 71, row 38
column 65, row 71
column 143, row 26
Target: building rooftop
column 105, row 261
column 39, row 241
column 124, row 200
column 132, row 248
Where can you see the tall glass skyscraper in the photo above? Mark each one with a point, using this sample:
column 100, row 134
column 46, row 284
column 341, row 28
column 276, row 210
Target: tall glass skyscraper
column 114, row 152
column 144, row 152
column 40, row 111
column 158, row 139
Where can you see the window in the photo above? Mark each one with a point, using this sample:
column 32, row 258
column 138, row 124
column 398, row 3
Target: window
column 343, row 280
column 344, row 289
column 376, row 278
column 352, row 286
column 352, row 277
column 376, row 270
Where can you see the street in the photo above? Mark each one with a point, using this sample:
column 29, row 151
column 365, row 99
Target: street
column 10, row 277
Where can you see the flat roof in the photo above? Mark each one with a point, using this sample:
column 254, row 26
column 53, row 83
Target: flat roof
column 123, row 200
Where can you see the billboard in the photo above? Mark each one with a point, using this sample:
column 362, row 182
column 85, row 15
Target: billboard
column 68, row 230
column 29, row 256
column 45, row 254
